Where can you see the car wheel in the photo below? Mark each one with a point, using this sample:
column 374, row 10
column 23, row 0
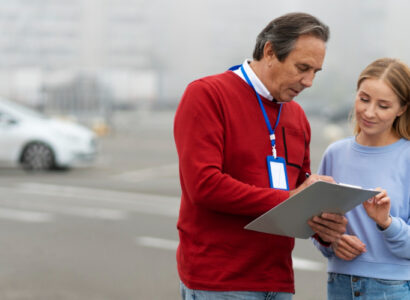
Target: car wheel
column 37, row 156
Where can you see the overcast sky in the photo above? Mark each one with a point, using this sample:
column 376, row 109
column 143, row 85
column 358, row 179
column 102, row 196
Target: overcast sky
column 197, row 38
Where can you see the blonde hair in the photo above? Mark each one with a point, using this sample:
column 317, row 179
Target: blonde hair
column 396, row 75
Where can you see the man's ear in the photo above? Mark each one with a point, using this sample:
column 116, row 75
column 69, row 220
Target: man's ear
column 268, row 51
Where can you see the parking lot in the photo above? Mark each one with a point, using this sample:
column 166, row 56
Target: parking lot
column 109, row 231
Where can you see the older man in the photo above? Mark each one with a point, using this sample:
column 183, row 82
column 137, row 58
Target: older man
column 227, row 127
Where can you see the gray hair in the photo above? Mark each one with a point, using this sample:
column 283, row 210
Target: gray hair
column 283, row 32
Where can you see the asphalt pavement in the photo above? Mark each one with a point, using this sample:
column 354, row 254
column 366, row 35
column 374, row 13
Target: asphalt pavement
column 109, row 231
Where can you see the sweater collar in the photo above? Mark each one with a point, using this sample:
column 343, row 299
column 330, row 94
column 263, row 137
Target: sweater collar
column 380, row 149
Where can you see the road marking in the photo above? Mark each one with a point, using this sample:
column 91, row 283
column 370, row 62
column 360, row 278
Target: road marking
column 307, row 265
column 86, row 212
column 25, row 216
column 137, row 202
column 78, row 211
column 100, row 213
column 149, row 173
column 151, row 242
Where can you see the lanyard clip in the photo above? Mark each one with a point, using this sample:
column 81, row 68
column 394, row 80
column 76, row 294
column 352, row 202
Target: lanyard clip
column 274, row 151
column 272, row 139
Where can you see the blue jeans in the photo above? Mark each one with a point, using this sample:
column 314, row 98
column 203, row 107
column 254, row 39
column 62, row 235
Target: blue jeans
column 350, row 287
column 188, row 294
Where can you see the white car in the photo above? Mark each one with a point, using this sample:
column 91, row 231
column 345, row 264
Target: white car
column 38, row 142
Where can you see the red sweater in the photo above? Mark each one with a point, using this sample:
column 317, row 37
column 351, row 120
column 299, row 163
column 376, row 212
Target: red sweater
column 222, row 143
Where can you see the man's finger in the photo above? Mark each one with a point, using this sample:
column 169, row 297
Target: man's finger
column 334, row 217
column 326, row 178
column 340, row 227
column 323, row 227
column 326, row 234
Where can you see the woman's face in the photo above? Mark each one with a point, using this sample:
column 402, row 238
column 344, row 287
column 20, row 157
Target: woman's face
column 376, row 108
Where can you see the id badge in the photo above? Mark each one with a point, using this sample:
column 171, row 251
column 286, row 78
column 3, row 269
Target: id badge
column 278, row 176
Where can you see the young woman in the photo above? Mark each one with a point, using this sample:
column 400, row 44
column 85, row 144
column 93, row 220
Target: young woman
column 372, row 259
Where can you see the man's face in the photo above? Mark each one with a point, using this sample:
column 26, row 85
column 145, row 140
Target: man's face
column 286, row 79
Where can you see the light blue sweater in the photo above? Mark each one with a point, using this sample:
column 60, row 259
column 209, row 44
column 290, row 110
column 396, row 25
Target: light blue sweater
column 388, row 167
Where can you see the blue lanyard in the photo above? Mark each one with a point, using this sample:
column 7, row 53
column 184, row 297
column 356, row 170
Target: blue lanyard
column 271, row 131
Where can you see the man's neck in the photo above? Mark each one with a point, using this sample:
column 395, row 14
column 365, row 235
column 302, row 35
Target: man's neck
column 259, row 68
column 254, row 78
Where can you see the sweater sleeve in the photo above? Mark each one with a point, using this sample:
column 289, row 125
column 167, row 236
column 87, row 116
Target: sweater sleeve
column 397, row 237
column 199, row 138
column 327, row 251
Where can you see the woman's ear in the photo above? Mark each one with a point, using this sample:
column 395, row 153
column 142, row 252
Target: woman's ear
column 402, row 110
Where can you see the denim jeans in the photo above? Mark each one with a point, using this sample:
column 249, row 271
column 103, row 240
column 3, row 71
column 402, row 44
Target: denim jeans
column 350, row 287
column 188, row 294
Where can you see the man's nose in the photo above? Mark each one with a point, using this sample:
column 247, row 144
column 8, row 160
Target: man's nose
column 307, row 79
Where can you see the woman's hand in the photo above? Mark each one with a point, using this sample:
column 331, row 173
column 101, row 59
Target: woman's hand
column 378, row 208
column 348, row 247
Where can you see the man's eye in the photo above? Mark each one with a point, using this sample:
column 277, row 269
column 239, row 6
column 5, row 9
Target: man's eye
column 303, row 68
column 364, row 99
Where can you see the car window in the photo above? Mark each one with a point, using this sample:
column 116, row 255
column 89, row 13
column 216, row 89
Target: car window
column 20, row 109
column 6, row 119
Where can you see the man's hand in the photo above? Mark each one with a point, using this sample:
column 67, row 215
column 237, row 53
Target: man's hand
column 329, row 227
column 378, row 208
column 310, row 180
column 348, row 247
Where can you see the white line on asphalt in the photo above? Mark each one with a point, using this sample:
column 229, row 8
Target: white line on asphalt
column 78, row 211
column 149, row 173
column 25, row 216
column 307, row 265
column 151, row 242
column 86, row 212
column 144, row 203
column 92, row 212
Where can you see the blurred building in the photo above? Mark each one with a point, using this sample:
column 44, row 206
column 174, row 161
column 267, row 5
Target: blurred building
column 133, row 52
column 68, row 55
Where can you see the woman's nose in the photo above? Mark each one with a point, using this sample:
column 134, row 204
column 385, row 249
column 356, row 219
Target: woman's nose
column 369, row 111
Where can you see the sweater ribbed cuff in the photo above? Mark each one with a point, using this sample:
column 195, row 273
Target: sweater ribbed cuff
column 322, row 242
